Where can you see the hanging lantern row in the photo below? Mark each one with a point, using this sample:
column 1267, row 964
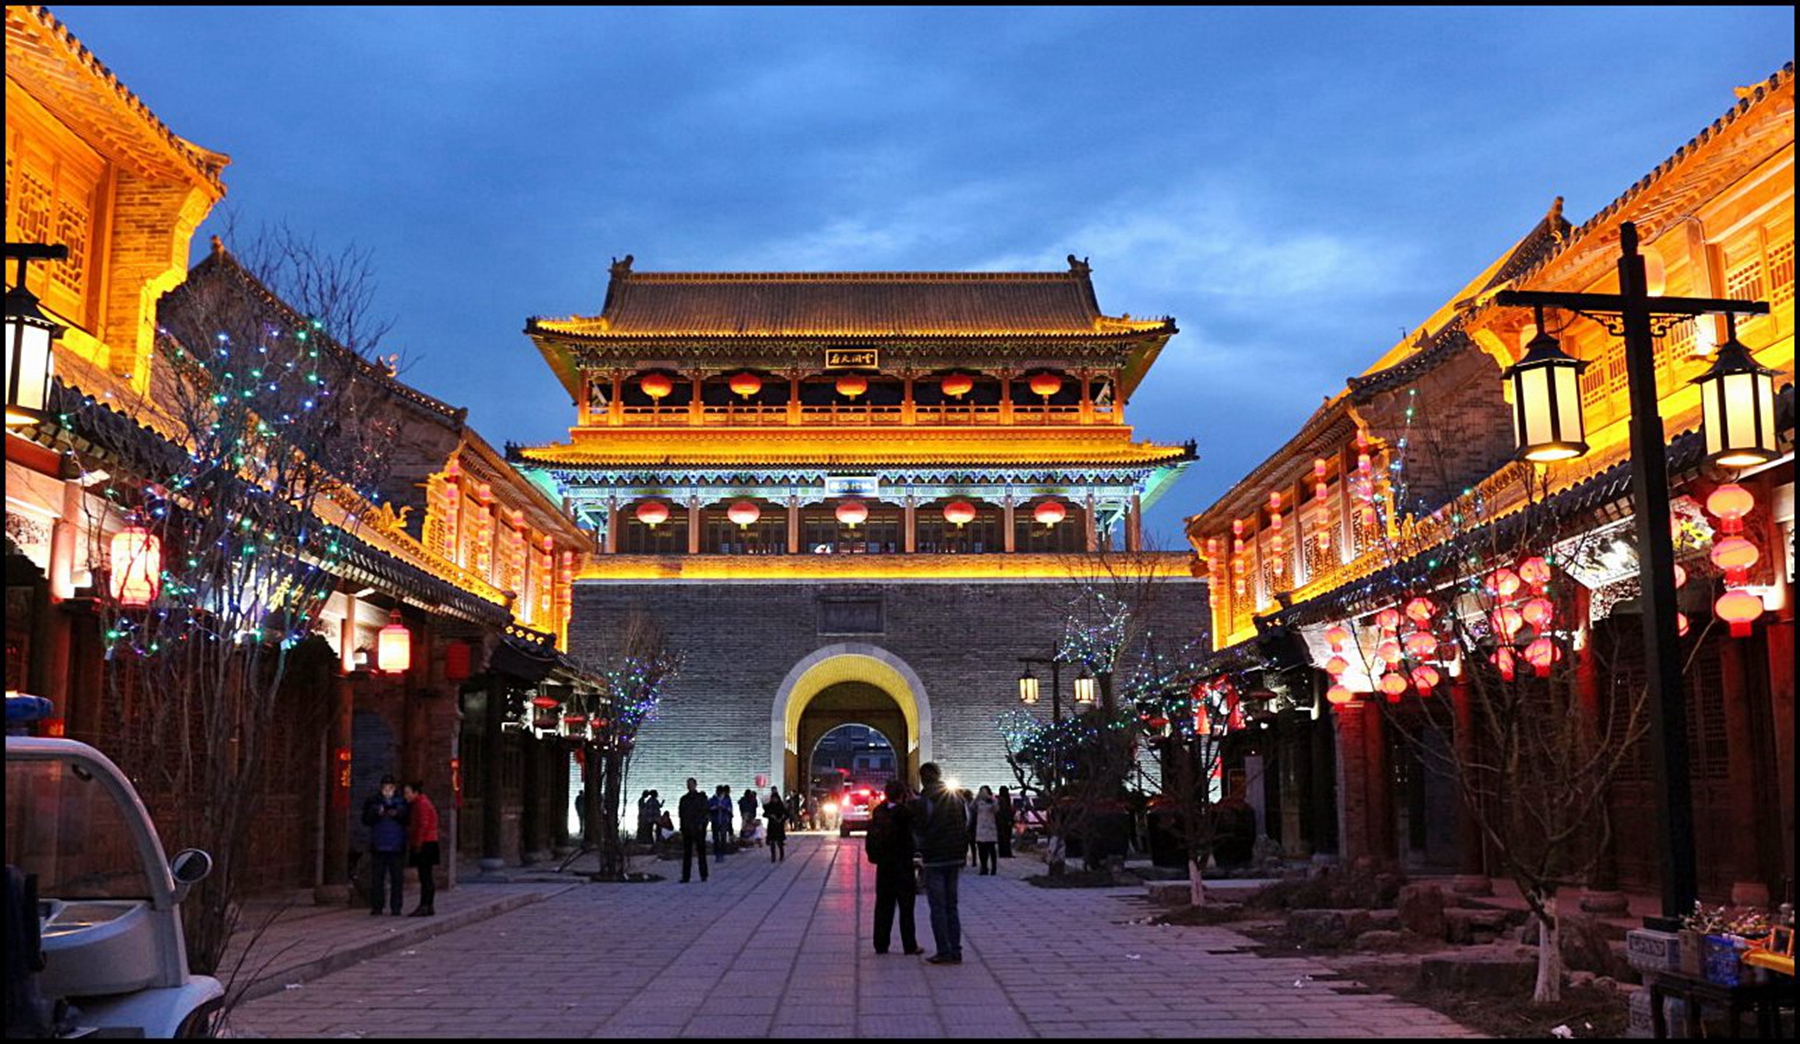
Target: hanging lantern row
column 850, row 512
column 1735, row 555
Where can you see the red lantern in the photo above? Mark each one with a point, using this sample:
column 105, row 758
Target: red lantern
column 1735, row 555
column 1390, row 651
column 1739, row 609
column 1046, row 384
column 136, row 576
column 1336, row 635
column 746, row 384
column 852, row 512
column 1507, row 621
column 1050, row 512
column 1420, row 610
column 1503, row 658
column 1541, row 654
column 1320, row 490
column 1538, row 613
column 1535, row 571
column 1425, row 678
column 1394, row 685
column 957, row 385
column 959, row 513
column 656, row 385
column 544, row 703
column 1336, row 666
column 393, row 646
column 653, row 512
column 1339, row 695
column 1680, row 575
column 744, row 513
column 1388, row 620
column 851, row 386
column 1421, row 645
column 1504, row 583
column 456, row 662
column 1730, row 503
column 1681, row 624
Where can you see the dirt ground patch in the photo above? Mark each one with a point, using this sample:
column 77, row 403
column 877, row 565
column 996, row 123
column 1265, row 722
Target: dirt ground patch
column 1589, row 1011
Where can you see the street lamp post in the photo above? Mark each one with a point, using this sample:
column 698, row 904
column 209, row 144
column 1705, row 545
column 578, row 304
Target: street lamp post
column 1630, row 313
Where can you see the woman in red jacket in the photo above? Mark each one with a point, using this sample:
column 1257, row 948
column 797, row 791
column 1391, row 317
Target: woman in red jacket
column 422, row 842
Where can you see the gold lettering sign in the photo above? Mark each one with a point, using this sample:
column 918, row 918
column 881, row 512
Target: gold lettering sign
column 852, row 359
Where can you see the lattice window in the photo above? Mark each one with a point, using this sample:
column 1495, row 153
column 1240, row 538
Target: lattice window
column 72, row 221
column 1744, row 278
column 1781, row 273
column 31, row 215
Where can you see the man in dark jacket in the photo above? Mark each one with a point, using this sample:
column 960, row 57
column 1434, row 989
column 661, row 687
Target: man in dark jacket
column 890, row 847
column 385, row 816
column 941, row 830
column 721, row 820
column 695, row 817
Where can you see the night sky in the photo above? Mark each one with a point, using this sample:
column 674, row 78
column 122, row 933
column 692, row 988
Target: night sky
column 1295, row 187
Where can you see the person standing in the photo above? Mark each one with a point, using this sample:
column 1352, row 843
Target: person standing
column 747, row 806
column 812, row 812
column 890, row 847
column 1003, row 818
column 720, row 806
column 695, row 815
column 776, row 812
column 968, row 797
column 653, row 815
column 941, row 830
column 644, row 820
column 385, row 816
column 987, row 832
column 422, row 842
column 581, row 814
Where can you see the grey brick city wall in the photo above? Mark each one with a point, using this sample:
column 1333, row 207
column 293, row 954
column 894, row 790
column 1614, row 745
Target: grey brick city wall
column 740, row 640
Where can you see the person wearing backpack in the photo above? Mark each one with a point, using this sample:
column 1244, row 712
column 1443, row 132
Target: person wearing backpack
column 890, row 847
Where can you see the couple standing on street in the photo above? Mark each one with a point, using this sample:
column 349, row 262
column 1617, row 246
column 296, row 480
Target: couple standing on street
column 935, row 827
column 399, row 824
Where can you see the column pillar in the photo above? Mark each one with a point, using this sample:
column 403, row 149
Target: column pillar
column 793, row 404
column 1087, row 397
column 910, row 523
column 492, row 800
column 333, row 885
column 1010, row 543
column 908, row 411
column 615, row 406
column 1134, row 524
column 1089, row 529
column 697, row 408
column 531, row 820
column 793, row 525
column 693, row 510
column 1006, row 403
column 1747, row 814
column 1471, row 866
column 610, row 545
column 1601, row 893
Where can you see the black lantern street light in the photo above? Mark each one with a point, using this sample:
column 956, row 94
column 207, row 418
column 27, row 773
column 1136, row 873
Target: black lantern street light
column 1028, row 695
column 1732, row 436
column 30, row 357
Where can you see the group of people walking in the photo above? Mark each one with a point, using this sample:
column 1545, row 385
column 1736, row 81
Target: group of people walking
column 696, row 815
column 403, row 829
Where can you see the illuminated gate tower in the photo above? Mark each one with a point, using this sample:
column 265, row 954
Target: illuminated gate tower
column 849, row 498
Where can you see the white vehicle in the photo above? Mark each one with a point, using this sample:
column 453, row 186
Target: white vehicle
column 109, row 940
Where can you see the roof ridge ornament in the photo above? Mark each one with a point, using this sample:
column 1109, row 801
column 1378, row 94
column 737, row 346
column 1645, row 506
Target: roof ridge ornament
column 1079, row 267
column 622, row 267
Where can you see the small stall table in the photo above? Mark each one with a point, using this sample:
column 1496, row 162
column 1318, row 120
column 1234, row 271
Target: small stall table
column 1766, row 1000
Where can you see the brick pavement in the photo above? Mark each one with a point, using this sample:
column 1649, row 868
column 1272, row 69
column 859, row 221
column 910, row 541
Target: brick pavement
column 784, row 951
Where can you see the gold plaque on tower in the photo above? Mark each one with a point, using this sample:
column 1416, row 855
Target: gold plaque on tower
column 852, row 359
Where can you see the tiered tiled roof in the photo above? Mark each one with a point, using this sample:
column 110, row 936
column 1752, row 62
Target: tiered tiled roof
column 841, row 305
column 902, row 447
column 44, row 56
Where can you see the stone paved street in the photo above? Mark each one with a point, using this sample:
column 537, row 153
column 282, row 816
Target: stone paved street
column 785, row 951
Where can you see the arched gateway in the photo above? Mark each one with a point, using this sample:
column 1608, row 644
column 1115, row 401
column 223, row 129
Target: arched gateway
column 849, row 682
